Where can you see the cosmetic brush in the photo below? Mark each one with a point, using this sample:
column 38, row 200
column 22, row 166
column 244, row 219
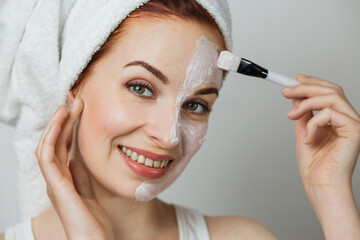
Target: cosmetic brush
column 229, row 62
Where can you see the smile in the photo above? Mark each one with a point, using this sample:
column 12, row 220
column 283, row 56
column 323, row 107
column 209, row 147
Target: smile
column 145, row 163
column 144, row 160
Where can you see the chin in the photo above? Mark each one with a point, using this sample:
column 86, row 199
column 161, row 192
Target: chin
column 124, row 188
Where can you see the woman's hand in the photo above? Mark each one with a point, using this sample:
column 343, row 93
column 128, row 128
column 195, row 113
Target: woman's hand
column 328, row 143
column 68, row 184
column 327, row 147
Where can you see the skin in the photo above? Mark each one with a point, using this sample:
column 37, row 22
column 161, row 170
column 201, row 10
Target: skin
column 109, row 116
column 326, row 155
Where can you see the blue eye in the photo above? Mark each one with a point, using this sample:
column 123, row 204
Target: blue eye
column 141, row 90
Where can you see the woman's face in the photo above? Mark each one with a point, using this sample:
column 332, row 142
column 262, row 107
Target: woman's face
column 150, row 94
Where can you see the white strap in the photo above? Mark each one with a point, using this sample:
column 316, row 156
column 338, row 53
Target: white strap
column 9, row 234
column 191, row 223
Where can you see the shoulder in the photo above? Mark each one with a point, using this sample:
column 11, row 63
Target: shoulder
column 236, row 227
column 47, row 225
column 2, row 237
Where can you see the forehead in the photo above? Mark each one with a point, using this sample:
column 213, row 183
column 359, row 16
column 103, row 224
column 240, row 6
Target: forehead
column 168, row 45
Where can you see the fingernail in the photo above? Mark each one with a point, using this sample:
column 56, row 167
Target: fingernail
column 305, row 138
column 303, row 76
column 292, row 112
column 287, row 89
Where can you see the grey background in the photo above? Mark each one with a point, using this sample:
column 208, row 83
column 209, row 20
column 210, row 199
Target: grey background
column 247, row 166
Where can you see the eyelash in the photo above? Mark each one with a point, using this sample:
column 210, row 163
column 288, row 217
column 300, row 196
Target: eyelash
column 148, row 86
column 201, row 103
column 143, row 84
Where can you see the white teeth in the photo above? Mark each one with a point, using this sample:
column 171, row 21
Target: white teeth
column 156, row 164
column 128, row 153
column 124, row 149
column 149, row 162
column 134, row 156
column 141, row 159
column 162, row 164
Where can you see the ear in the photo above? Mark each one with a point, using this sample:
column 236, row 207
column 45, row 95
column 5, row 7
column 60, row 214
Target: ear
column 70, row 98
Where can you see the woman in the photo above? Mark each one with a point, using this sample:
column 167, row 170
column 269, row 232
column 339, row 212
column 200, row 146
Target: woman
column 139, row 112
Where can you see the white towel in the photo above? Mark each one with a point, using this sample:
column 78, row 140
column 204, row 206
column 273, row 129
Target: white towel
column 44, row 46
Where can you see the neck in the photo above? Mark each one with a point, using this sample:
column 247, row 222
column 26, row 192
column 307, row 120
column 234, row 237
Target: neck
column 129, row 216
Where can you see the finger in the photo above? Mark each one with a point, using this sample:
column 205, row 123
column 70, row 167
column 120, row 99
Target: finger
column 81, row 178
column 49, row 193
column 320, row 102
column 342, row 124
column 67, row 131
column 301, row 123
column 59, row 116
column 46, row 129
column 310, row 90
column 47, row 160
column 60, row 187
column 316, row 81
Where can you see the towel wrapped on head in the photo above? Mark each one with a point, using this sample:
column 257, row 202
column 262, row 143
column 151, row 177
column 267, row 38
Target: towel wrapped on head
column 44, row 46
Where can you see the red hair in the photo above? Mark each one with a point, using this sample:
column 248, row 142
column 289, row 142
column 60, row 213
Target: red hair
column 188, row 10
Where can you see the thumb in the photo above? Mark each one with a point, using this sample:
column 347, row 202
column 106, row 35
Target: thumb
column 81, row 178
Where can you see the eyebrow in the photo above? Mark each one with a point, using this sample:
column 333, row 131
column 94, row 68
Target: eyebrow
column 153, row 70
column 206, row 91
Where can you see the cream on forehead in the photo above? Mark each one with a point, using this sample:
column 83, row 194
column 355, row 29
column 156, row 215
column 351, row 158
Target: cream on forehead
column 189, row 135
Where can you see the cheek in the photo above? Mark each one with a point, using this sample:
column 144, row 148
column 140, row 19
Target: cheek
column 193, row 137
column 103, row 120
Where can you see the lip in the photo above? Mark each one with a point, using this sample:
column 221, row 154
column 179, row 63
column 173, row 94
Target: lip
column 145, row 171
column 148, row 154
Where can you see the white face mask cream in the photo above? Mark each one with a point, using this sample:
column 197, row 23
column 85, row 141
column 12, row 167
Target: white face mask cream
column 190, row 135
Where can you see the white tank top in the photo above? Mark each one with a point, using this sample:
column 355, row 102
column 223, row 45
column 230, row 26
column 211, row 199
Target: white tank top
column 191, row 224
column 21, row 230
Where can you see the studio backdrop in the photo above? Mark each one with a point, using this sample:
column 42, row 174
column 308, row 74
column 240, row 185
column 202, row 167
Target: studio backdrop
column 247, row 166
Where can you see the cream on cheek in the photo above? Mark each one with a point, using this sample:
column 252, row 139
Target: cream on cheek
column 188, row 134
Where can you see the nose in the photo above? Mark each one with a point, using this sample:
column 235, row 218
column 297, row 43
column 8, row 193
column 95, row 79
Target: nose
column 163, row 126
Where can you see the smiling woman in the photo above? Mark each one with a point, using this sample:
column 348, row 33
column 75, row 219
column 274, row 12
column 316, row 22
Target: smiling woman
column 138, row 81
column 139, row 112
column 115, row 96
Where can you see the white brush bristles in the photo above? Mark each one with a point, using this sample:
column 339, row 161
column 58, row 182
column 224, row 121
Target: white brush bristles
column 228, row 61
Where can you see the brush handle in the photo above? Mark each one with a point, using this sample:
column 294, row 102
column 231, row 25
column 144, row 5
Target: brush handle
column 281, row 79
